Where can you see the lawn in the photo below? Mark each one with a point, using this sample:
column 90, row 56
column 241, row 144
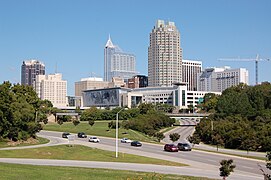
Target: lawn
column 100, row 128
column 79, row 152
column 40, row 140
column 30, row 172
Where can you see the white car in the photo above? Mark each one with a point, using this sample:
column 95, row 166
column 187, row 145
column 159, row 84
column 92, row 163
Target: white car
column 93, row 139
column 125, row 140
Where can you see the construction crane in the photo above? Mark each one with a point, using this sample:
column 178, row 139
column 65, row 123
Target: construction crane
column 257, row 59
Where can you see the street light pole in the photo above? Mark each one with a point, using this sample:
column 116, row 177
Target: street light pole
column 117, row 131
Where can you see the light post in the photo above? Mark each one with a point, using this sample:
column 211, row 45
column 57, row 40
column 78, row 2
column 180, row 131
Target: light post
column 117, row 130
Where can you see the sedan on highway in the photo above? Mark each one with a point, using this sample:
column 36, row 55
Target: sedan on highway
column 171, row 147
column 125, row 140
column 136, row 143
column 184, row 147
column 81, row 135
column 93, row 139
column 65, row 134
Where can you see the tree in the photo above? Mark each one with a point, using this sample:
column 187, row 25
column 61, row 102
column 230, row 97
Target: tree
column 18, row 107
column 268, row 164
column 145, row 108
column 112, row 125
column 195, row 139
column 217, row 140
column 76, row 122
column 174, row 137
column 91, row 122
column 159, row 136
column 226, row 168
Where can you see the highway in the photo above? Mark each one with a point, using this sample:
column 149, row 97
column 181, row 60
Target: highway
column 195, row 158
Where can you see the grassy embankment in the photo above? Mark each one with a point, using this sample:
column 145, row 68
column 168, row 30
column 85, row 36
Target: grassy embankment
column 39, row 140
column 30, row 172
column 100, row 128
column 79, row 152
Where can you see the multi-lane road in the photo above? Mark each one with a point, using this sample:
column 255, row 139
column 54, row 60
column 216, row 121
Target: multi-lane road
column 194, row 158
column 200, row 162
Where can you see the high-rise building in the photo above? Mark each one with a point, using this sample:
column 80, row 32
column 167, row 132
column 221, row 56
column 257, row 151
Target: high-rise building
column 190, row 70
column 51, row 87
column 164, row 55
column 218, row 79
column 29, row 70
column 118, row 63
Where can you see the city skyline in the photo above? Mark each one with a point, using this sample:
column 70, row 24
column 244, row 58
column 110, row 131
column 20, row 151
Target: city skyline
column 69, row 36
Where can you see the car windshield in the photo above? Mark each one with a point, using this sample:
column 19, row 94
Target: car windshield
column 94, row 138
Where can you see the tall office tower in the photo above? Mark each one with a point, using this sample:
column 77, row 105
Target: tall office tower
column 118, row 63
column 219, row 79
column 29, row 70
column 164, row 55
column 190, row 70
column 52, row 88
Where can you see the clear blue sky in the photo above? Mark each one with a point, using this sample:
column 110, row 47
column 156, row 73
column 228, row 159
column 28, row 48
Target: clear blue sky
column 72, row 34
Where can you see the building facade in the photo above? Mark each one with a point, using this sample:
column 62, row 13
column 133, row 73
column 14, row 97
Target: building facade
column 89, row 83
column 118, row 63
column 164, row 55
column 176, row 95
column 29, row 70
column 190, row 70
column 96, row 83
column 219, row 79
column 51, row 87
column 138, row 81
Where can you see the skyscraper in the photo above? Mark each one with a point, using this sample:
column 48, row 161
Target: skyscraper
column 29, row 70
column 164, row 55
column 190, row 70
column 52, row 88
column 118, row 63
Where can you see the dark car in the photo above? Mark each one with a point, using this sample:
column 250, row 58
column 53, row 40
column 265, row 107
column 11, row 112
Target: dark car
column 136, row 143
column 65, row 134
column 184, row 147
column 171, row 148
column 81, row 135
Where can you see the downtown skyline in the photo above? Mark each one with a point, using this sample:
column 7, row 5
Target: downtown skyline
column 69, row 37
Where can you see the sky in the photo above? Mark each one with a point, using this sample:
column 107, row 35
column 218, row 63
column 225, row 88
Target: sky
column 69, row 36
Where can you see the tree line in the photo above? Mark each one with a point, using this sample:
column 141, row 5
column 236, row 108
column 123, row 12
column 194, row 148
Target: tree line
column 240, row 119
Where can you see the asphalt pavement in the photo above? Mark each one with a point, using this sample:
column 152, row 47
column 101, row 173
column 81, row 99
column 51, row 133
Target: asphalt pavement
column 202, row 164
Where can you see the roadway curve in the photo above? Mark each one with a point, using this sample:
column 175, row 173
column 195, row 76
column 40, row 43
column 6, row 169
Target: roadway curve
column 200, row 162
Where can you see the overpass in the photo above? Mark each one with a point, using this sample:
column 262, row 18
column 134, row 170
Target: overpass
column 191, row 119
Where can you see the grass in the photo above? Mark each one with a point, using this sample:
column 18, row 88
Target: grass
column 167, row 129
column 31, row 172
column 41, row 140
column 238, row 155
column 100, row 128
column 79, row 152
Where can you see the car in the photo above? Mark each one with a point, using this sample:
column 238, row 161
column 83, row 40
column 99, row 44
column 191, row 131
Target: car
column 171, row 147
column 125, row 140
column 184, row 147
column 82, row 135
column 136, row 143
column 65, row 134
column 93, row 139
